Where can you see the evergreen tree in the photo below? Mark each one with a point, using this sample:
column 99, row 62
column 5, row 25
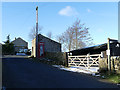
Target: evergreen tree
column 8, row 47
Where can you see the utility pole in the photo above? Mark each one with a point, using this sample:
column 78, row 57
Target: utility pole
column 37, row 31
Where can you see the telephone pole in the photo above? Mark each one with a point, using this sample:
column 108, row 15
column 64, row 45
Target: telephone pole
column 37, row 31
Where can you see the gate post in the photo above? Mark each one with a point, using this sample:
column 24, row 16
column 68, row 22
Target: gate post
column 66, row 61
column 108, row 55
column 67, row 58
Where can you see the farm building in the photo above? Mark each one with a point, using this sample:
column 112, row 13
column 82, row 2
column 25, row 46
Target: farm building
column 49, row 45
column 97, row 49
column 95, row 55
column 0, row 48
column 20, row 44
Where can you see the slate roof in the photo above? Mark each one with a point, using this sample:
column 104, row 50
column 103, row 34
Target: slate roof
column 48, row 38
column 19, row 38
column 96, row 49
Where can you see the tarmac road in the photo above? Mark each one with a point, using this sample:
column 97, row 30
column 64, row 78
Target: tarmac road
column 24, row 73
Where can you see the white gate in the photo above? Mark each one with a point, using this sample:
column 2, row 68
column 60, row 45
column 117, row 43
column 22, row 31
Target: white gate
column 84, row 60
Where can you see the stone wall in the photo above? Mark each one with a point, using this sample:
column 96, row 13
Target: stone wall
column 57, row 56
column 115, row 64
column 102, row 64
column 20, row 44
column 33, row 53
column 49, row 44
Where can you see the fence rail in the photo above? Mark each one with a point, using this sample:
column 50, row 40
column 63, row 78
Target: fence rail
column 84, row 60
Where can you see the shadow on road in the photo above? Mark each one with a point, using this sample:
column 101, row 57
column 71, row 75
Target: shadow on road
column 15, row 56
column 20, row 72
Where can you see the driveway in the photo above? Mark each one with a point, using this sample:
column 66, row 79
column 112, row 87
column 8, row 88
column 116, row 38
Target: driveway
column 22, row 72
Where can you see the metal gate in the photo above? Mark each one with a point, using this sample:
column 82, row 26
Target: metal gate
column 84, row 60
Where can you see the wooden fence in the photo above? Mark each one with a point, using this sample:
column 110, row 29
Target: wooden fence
column 84, row 60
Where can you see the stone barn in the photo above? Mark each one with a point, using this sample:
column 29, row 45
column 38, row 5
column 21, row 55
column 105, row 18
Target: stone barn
column 49, row 45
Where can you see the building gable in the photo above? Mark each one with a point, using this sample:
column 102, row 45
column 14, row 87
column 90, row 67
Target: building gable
column 20, row 42
column 49, row 45
column 41, row 37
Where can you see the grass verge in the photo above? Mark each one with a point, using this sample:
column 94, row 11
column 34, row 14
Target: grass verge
column 113, row 77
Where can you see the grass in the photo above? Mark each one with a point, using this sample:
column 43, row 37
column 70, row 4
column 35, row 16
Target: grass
column 113, row 78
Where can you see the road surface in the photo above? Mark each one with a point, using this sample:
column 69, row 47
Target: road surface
column 25, row 73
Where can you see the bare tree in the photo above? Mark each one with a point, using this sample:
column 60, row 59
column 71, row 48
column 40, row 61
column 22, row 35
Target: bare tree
column 49, row 34
column 60, row 39
column 75, row 37
column 68, row 36
column 32, row 33
column 66, row 39
column 81, row 35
